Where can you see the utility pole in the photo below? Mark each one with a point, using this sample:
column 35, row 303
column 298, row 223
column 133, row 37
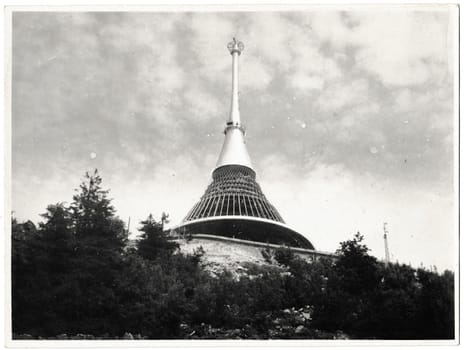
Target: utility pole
column 128, row 225
column 387, row 254
column 164, row 220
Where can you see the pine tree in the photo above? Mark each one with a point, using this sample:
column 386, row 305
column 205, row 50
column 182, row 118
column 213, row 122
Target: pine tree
column 100, row 240
column 94, row 216
column 57, row 233
column 58, row 245
column 154, row 243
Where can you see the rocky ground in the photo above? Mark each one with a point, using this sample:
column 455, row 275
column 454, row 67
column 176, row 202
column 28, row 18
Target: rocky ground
column 287, row 324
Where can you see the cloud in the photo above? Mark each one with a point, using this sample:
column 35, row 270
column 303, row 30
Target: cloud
column 202, row 105
column 210, row 34
column 344, row 94
column 255, row 74
column 307, row 82
column 270, row 36
column 395, row 45
column 333, row 203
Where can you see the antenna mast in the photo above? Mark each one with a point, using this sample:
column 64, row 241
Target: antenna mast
column 234, row 150
column 387, row 254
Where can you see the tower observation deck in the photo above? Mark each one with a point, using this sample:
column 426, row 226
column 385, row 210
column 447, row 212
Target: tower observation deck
column 233, row 204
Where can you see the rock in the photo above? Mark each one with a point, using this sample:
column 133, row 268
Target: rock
column 341, row 335
column 299, row 319
column 62, row 336
column 24, row 336
column 300, row 329
column 128, row 336
column 78, row 336
column 249, row 331
column 272, row 333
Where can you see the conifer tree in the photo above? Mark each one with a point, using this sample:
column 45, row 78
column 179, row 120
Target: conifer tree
column 58, row 252
column 154, row 243
column 100, row 239
column 94, row 216
column 57, row 232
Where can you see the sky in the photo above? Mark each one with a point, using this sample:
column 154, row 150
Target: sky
column 349, row 115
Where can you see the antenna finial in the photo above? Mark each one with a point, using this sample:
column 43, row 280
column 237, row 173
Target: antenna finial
column 235, row 46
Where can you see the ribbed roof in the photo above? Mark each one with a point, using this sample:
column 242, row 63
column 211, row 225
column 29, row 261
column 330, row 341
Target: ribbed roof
column 233, row 205
column 234, row 191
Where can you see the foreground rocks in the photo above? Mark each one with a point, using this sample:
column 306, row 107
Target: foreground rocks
column 289, row 323
column 79, row 336
column 208, row 332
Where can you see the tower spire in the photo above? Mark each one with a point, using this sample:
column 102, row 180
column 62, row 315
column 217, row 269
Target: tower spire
column 235, row 47
column 234, row 151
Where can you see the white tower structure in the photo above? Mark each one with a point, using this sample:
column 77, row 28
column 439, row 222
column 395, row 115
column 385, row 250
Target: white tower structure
column 234, row 205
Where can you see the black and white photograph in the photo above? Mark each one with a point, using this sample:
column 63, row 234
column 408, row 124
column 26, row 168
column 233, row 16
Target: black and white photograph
column 232, row 173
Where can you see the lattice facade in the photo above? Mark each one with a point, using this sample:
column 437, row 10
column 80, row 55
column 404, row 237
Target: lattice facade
column 234, row 191
column 234, row 206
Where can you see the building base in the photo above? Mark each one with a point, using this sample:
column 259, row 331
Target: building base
column 223, row 253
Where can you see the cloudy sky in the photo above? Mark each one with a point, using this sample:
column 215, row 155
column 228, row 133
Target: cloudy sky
column 349, row 116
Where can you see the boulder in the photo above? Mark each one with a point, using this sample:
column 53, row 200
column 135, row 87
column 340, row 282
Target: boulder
column 300, row 329
column 128, row 336
column 299, row 319
column 78, row 336
column 24, row 336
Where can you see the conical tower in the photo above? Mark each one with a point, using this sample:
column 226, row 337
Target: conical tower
column 233, row 205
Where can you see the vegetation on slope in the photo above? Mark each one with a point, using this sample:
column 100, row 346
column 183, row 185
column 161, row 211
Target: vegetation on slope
column 74, row 274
